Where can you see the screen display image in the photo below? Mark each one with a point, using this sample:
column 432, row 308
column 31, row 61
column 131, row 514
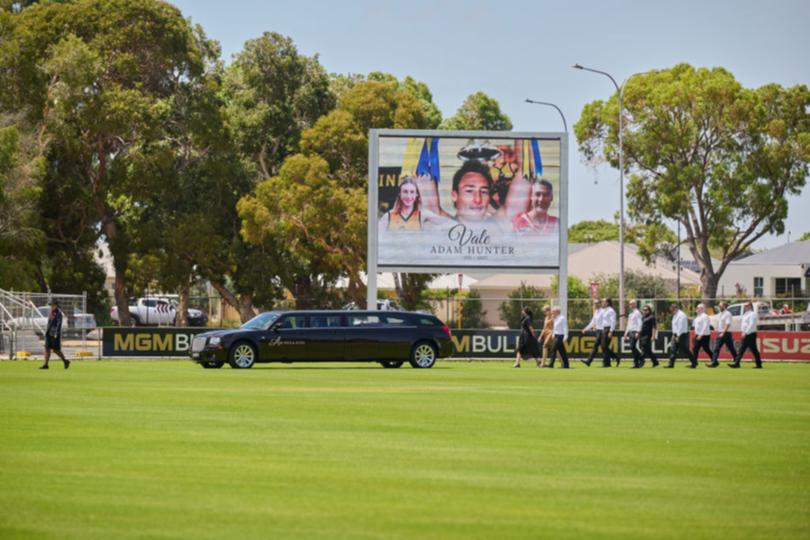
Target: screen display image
column 455, row 201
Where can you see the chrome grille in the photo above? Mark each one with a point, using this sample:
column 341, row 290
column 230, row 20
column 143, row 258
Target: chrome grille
column 198, row 344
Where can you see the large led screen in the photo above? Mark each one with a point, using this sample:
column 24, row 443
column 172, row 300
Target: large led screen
column 455, row 201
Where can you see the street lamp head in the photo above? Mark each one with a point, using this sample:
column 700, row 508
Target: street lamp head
column 577, row 66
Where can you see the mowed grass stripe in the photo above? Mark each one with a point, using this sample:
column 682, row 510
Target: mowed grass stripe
column 164, row 449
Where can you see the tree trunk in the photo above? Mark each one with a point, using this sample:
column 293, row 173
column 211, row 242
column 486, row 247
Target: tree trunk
column 121, row 300
column 243, row 304
column 708, row 287
column 302, row 290
column 182, row 306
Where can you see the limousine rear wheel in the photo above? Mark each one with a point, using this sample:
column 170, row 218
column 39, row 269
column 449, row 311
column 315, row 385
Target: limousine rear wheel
column 392, row 363
column 423, row 355
column 242, row 355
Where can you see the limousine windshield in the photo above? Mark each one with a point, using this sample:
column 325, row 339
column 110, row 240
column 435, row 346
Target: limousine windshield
column 262, row 321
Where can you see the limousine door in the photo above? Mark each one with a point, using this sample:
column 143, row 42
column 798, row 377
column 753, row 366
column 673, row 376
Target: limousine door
column 286, row 340
column 325, row 337
column 365, row 338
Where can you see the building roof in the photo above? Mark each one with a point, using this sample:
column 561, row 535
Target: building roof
column 788, row 254
column 586, row 261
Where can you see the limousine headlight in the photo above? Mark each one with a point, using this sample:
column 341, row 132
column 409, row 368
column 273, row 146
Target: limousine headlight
column 214, row 341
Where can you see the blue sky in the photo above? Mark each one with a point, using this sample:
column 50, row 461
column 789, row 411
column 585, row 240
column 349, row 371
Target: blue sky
column 514, row 50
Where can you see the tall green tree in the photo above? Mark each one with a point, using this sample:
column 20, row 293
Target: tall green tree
column 478, row 112
column 273, row 94
column 524, row 296
column 21, row 236
column 100, row 86
column 719, row 158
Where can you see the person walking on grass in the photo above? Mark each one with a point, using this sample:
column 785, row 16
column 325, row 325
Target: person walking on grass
column 749, row 330
column 596, row 325
column 633, row 331
column 723, row 336
column 680, row 337
column 560, row 330
column 546, row 336
column 53, row 336
column 703, row 333
column 527, row 343
column 647, row 336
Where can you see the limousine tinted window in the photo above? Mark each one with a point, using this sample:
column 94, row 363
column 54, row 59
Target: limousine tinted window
column 397, row 321
column 324, row 321
column 363, row 320
column 293, row 322
column 262, row 321
column 428, row 321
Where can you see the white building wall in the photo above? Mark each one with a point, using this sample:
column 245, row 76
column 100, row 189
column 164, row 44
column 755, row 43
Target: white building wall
column 744, row 275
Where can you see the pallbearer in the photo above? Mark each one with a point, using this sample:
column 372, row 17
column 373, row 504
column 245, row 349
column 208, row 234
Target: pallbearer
column 632, row 332
column 703, row 333
column 596, row 325
column 723, row 335
column 680, row 337
column 749, row 330
column 560, row 337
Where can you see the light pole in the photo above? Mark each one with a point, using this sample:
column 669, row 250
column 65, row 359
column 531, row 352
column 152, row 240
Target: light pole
column 619, row 91
column 565, row 124
column 562, row 281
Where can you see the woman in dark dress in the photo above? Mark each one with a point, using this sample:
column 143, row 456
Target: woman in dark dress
column 649, row 331
column 527, row 344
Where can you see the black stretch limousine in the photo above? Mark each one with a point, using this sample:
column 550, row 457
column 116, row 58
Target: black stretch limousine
column 390, row 338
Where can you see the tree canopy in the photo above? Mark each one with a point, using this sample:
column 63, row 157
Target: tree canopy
column 478, row 112
column 705, row 151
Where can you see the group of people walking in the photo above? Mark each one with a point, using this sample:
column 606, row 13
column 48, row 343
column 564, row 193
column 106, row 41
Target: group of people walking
column 641, row 333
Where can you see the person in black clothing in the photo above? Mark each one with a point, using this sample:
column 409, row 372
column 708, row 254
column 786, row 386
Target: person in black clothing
column 527, row 344
column 53, row 336
column 649, row 331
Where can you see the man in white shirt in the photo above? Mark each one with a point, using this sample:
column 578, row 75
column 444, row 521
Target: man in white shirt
column 680, row 337
column 608, row 327
column 749, row 330
column 723, row 335
column 632, row 332
column 560, row 337
column 703, row 332
column 595, row 324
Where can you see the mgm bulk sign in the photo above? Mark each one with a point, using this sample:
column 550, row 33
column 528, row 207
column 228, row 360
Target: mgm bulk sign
column 147, row 342
column 452, row 200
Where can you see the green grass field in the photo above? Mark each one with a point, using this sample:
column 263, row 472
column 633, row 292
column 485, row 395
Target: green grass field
column 164, row 449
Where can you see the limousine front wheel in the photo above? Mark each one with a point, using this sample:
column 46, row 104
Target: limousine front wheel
column 242, row 356
column 423, row 355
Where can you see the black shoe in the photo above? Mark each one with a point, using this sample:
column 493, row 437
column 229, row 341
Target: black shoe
column 734, row 365
column 605, row 365
column 635, row 367
column 654, row 364
column 44, row 366
column 758, row 366
column 618, row 361
column 67, row 363
column 586, row 362
column 669, row 366
column 692, row 366
column 565, row 367
column 713, row 364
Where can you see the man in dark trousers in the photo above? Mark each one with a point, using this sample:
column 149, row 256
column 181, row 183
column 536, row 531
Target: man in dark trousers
column 608, row 327
column 596, row 325
column 680, row 337
column 723, row 335
column 560, row 331
column 703, row 333
column 749, row 330
column 53, row 336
